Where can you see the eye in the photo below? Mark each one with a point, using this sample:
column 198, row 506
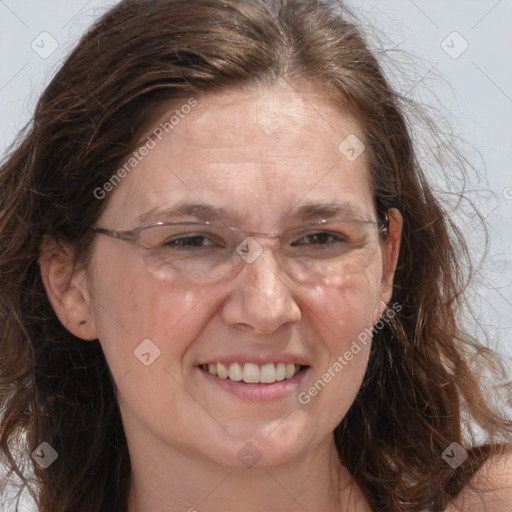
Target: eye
column 193, row 241
column 320, row 238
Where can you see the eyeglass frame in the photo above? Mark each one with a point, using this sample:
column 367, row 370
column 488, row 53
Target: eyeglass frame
column 133, row 235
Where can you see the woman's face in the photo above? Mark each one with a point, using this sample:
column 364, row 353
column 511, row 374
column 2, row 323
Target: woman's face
column 261, row 155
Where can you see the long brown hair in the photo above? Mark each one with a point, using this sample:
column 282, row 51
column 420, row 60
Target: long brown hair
column 421, row 391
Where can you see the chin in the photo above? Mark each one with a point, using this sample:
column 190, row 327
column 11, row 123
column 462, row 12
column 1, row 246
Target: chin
column 271, row 445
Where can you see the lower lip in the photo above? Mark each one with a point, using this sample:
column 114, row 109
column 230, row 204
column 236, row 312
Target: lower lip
column 258, row 392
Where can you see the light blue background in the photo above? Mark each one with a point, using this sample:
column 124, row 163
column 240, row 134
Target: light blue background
column 475, row 88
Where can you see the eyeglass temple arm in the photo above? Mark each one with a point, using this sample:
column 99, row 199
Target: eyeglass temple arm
column 383, row 225
column 127, row 236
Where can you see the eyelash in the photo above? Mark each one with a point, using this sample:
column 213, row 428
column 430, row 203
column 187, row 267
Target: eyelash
column 338, row 236
column 174, row 243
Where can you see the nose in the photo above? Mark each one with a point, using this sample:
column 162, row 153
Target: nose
column 261, row 297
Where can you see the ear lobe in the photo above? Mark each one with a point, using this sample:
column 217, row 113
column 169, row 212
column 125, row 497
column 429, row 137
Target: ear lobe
column 390, row 252
column 66, row 288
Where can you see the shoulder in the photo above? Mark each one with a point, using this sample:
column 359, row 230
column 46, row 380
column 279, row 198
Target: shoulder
column 490, row 489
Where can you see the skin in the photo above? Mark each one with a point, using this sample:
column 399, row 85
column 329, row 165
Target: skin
column 259, row 153
column 490, row 490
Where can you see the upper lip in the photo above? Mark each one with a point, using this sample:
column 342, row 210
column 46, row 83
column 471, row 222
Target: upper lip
column 256, row 359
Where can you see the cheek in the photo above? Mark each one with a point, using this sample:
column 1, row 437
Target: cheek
column 344, row 309
column 130, row 306
column 147, row 309
column 145, row 329
column 346, row 305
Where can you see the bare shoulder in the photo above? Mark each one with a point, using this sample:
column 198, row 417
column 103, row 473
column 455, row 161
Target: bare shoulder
column 490, row 490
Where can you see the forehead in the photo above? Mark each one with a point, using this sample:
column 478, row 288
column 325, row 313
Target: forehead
column 257, row 152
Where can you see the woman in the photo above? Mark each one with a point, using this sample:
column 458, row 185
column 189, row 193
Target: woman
column 227, row 284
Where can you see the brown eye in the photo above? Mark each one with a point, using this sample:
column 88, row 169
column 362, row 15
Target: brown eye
column 320, row 238
column 193, row 241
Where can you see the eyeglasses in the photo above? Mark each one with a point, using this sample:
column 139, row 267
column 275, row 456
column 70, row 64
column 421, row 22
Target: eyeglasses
column 206, row 251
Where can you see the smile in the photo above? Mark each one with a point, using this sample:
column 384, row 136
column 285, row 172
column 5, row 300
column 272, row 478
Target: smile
column 253, row 382
column 252, row 373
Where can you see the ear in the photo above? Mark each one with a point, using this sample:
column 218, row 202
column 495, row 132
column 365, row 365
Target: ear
column 390, row 250
column 67, row 289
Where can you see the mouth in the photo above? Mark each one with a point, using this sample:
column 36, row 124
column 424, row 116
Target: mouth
column 251, row 381
column 252, row 373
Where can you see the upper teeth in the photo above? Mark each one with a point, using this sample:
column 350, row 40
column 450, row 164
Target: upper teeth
column 253, row 373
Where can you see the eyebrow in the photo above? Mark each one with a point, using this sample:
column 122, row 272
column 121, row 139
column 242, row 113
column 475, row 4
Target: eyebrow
column 206, row 212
